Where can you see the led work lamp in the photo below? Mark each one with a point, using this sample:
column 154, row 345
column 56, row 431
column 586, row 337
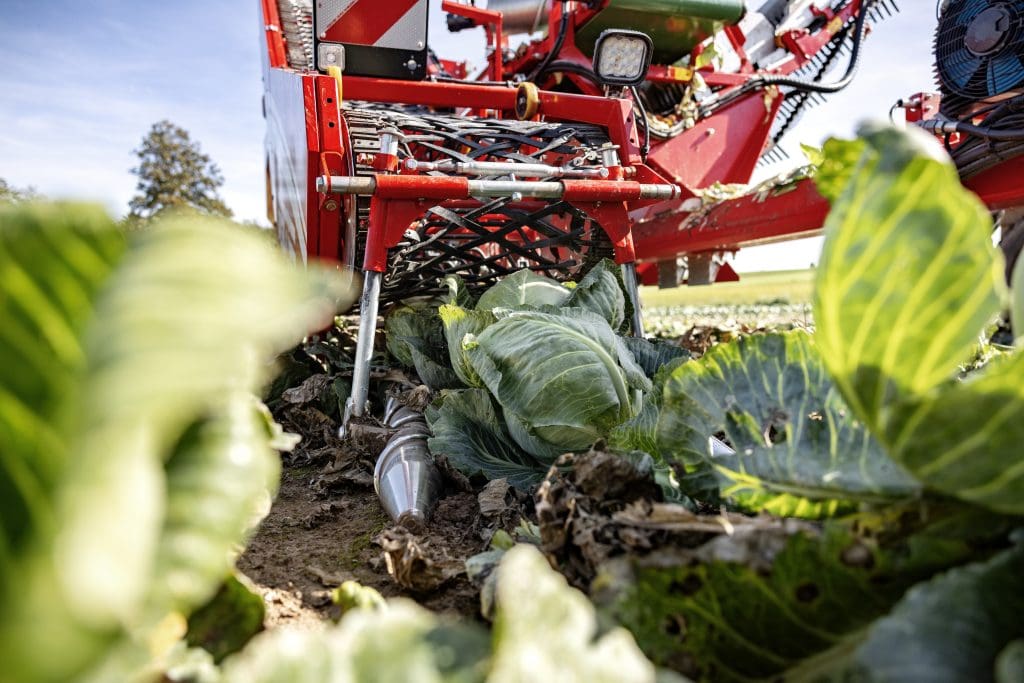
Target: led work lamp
column 622, row 57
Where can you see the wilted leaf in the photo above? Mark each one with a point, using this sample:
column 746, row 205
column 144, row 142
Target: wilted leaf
column 493, row 499
column 413, row 564
column 523, row 289
column 309, row 391
column 468, row 432
column 293, row 368
column 798, row 451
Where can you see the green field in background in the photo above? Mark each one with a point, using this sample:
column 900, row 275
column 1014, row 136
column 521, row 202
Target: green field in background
column 783, row 286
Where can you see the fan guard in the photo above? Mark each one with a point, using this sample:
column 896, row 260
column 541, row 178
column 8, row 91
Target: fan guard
column 979, row 48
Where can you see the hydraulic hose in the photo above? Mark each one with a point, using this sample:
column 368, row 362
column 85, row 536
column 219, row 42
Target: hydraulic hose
column 986, row 129
column 566, row 66
column 563, row 29
column 859, row 31
column 995, row 134
column 642, row 116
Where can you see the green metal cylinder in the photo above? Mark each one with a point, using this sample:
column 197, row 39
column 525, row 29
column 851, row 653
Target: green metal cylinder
column 675, row 26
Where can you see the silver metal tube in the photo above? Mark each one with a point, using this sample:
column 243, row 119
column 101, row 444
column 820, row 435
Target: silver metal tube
column 521, row 16
column 632, row 283
column 609, row 156
column 508, row 188
column 368, row 307
column 649, row 191
column 346, row 184
column 506, row 168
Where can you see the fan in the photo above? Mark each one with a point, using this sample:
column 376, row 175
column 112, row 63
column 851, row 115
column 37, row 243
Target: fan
column 979, row 48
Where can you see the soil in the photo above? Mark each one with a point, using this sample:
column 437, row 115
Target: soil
column 327, row 526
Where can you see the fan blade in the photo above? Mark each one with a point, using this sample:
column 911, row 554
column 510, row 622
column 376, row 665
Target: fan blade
column 961, row 67
column 1005, row 72
column 972, row 8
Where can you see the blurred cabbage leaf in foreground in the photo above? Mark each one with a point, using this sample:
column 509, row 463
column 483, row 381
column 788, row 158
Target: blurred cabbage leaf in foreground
column 544, row 631
column 134, row 458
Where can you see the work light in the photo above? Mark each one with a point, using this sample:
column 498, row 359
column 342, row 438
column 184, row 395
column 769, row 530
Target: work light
column 622, row 57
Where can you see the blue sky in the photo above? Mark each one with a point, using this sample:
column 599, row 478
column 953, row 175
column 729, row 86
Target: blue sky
column 82, row 82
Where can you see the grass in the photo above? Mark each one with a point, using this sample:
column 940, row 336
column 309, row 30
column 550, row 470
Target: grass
column 784, row 286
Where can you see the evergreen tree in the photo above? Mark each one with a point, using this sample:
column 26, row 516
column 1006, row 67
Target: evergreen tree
column 174, row 174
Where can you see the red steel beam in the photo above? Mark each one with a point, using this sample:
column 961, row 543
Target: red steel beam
column 732, row 224
column 1000, row 187
column 276, row 52
column 799, row 212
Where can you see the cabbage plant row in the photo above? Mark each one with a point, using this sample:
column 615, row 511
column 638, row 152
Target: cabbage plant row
column 880, row 426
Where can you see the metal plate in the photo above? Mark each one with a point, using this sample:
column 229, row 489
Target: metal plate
column 381, row 39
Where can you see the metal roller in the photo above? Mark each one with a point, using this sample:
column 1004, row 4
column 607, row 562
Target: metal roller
column 521, row 16
column 675, row 26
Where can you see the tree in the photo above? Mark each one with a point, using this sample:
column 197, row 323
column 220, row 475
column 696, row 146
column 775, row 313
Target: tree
column 13, row 195
column 174, row 174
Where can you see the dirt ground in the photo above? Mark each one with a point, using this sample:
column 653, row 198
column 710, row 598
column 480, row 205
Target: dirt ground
column 327, row 527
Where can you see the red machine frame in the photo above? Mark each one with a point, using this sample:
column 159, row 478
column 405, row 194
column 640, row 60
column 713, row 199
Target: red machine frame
column 721, row 148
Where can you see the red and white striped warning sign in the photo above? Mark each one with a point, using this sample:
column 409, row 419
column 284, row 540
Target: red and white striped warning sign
column 400, row 24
